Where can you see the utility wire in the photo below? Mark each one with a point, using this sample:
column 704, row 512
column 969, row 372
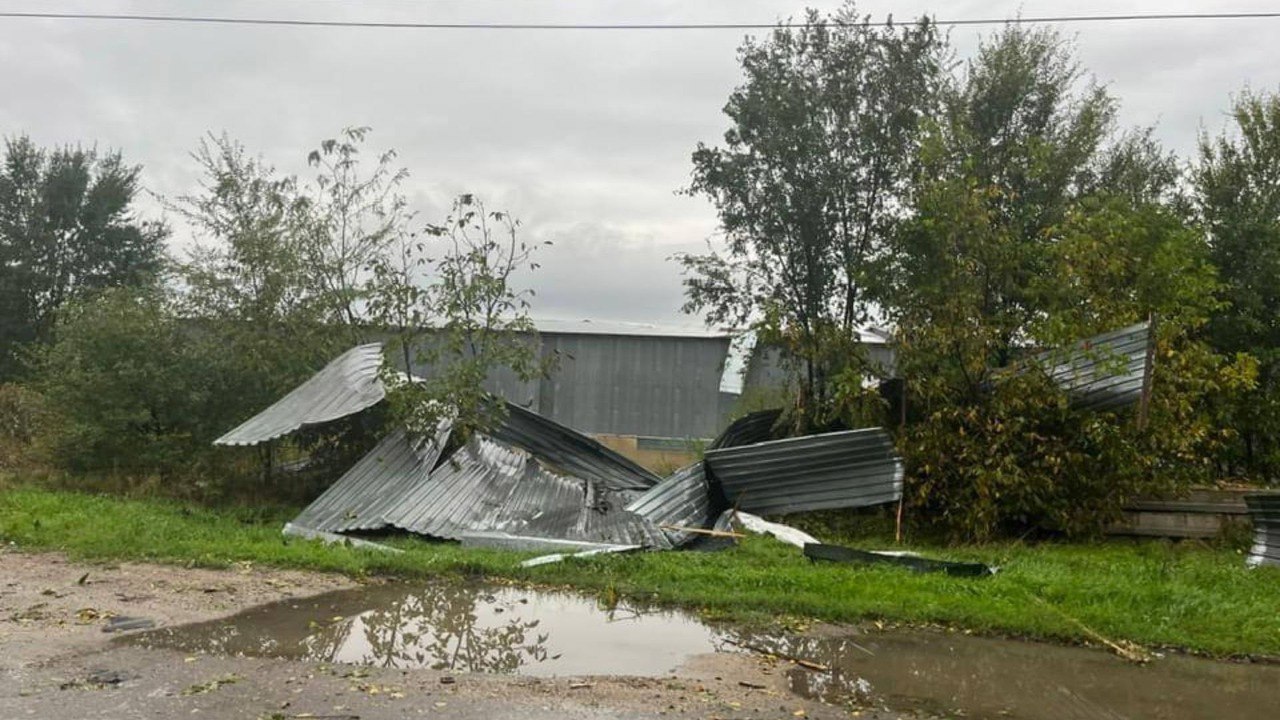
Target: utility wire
column 208, row 20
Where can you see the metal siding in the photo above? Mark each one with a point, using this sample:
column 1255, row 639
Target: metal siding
column 1264, row 510
column 344, row 387
column 683, row 500
column 656, row 386
column 1103, row 372
column 856, row 468
column 363, row 497
column 571, row 451
column 487, row 486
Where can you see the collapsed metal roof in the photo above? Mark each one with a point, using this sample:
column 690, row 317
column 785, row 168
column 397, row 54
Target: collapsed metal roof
column 533, row 478
column 366, row 494
column 489, row 486
column 687, row 499
column 344, row 387
column 854, row 468
column 1102, row 372
column 571, row 451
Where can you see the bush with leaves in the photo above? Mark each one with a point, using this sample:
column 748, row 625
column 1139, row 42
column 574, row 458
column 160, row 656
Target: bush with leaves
column 128, row 390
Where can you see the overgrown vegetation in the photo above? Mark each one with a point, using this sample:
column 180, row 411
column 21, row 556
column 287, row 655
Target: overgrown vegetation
column 1186, row 595
column 985, row 211
column 1014, row 216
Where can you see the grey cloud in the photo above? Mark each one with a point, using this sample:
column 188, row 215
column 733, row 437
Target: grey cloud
column 584, row 136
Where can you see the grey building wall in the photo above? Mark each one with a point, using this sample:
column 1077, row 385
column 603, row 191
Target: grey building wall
column 635, row 385
column 649, row 385
column 767, row 366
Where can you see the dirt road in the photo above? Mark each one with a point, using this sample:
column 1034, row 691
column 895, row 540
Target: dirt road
column 56, row 661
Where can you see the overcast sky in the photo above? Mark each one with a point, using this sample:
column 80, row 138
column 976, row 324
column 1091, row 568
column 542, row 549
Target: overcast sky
column 585, row 136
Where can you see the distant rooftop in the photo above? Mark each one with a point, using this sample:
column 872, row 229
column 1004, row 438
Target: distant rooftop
column 622, row 327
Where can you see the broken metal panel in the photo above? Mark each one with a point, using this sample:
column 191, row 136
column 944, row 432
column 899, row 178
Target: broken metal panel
column 487, row 486
column 1264, row 510
column 910, row 561
column 856, row 468
column 344, row 387
column 525, row 543
column 570, row 451
column 328, row 538
column 682, row 500
column 750, row 428
column 1103, row 372
column 374, row 486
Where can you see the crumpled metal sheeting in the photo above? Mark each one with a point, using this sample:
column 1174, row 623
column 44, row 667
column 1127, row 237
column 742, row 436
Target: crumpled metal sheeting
column 570, row 451
column 1264, row 511
column 856, row 468
column 685, row 499
column 750, row 428
column 1102, row 372
column 487, row 486
column 363, row 497
column 344, row 387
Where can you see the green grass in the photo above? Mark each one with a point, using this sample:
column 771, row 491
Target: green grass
column 1187, row 595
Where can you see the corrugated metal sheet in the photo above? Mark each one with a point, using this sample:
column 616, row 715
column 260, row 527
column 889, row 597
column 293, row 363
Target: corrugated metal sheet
column 750, row 428
column 632, row 385
column 1264, row 510
column 1103, row 372
column 362, row 498
column 571, row 452
column 344, row 387
column 487, row 486
column 856, row 468
column 685, row 499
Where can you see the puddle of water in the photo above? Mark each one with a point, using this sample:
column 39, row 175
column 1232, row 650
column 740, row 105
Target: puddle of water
column 992, row 678
column 453, row 626
column 506, row 630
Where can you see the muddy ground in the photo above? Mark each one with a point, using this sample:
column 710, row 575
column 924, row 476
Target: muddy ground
column 56, row 661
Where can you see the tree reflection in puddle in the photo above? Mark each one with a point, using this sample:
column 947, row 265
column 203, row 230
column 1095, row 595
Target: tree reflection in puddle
column 453, row 626
column 442, row 626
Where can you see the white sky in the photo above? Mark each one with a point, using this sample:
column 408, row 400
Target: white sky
column 585, row 136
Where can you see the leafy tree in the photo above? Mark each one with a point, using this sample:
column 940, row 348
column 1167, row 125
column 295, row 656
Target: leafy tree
column 1237, row 193
column 460, row 316
column 247, row 286
column 356, row 217
column 809, row 185
column 67, row 229
column 1035, row 225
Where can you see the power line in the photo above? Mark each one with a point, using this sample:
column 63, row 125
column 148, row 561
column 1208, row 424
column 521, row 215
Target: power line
column 293, row 22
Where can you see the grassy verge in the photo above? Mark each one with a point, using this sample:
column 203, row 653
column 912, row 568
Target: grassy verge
column 1154, row 593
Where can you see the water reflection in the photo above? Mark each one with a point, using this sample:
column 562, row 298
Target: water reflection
column 952, row 674
column 443, row 626
column 454, row 626
column 506, row 630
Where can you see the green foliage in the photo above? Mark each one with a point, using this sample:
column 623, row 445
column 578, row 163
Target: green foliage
column 67, row 229
column 476, row 321
column 814, row 167
column 129, row 393
column 1055, row 234
column 1183, row 595
column 23, row 417
column 1237, row 192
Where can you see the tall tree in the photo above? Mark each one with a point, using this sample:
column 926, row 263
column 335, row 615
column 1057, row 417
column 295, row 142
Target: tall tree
column 809, row 184
column 1237, row 192
column 1035, row 225
column 67, row 228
